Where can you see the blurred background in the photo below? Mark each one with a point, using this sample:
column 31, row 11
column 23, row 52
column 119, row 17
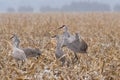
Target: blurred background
column 59, row 6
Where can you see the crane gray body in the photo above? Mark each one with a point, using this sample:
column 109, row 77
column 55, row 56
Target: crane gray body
column 30, row 52
column 77, row 46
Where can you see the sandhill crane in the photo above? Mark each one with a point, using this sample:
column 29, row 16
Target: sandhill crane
column 29, row 52
column 59, row 53
column 74, row 43
column 17, row 53
column 77, row 46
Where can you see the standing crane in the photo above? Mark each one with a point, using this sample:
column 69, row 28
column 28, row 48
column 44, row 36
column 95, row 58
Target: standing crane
column 59, row 53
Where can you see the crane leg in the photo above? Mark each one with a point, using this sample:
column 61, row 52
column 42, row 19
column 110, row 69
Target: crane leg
column 76, row 57
column 63, row 61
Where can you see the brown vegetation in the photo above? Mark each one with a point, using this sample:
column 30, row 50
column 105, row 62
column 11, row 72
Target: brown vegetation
column 100, row 30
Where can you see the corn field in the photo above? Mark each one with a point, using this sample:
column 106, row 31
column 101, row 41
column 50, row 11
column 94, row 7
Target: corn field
column 101, row 31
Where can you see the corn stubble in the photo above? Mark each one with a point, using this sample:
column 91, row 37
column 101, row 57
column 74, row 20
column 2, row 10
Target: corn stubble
column 100, row 30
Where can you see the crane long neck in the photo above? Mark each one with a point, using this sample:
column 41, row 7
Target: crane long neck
column 58, row 45
column 16, row 42
column 66, row 32
column 16, row 45
column 65, row 29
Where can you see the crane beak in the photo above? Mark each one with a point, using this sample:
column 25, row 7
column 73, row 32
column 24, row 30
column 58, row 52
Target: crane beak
column 12, row 36
column 61, row 27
